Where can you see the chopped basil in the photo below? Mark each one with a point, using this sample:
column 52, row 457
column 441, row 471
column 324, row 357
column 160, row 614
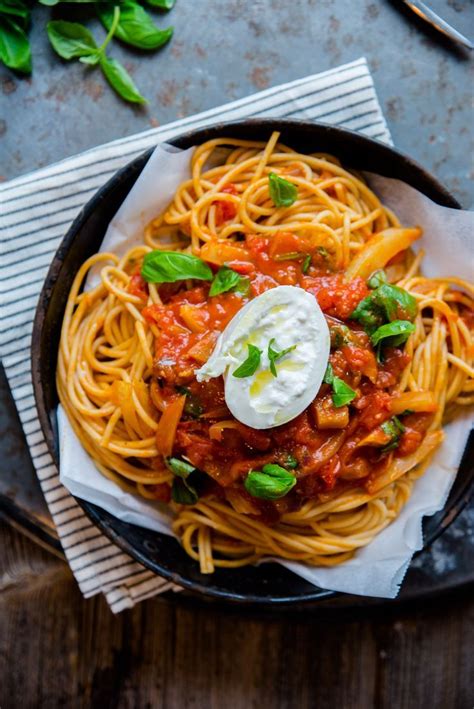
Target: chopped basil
column 282, row 192
column 172, row 266
column 250, row 365
column 271, row 483
column 225, row 279
column 306, row 263
column 340, row 334
column 187, row 477
column 396, row 302
column 183, row 493
column 393, row 333
column 393, row 428
column 291, row 463
column 377, row 278
column 192, row 405
column 274, row 356
column 322, row 251
column 342, row 393
column 385, row 304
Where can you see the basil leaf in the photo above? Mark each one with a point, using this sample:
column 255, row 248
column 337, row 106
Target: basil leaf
column 396, row 302
column 120, row 80
column 306, row 263
column 192, row 405
column 393, row 428
column 250, row 365
column 225, row 279
column 340, row 334
column 369, row 314
column 342, row 393
column 243, row 286
column 70, row 39
column 329, row 374
column 291, row 463
column 282, row 192
column 183, row 493
column 272, row 483
column 386, row 303
column 180, row 467
column 172, row 266
column 393, row 333
column 135, row 26
column 274, row 356
column 15, row 50
column 377, row 278
column 162, row 4
column 17, row 10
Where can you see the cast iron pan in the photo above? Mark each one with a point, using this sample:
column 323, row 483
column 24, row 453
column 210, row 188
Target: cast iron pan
column 268, row 584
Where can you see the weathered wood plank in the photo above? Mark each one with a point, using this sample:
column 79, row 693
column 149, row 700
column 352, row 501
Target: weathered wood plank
column 56, row 649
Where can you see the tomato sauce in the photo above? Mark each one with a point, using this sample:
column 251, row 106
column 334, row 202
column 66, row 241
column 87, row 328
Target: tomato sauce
column 188, row 323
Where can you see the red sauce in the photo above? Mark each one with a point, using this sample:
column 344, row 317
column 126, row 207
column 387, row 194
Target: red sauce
column 189, row 322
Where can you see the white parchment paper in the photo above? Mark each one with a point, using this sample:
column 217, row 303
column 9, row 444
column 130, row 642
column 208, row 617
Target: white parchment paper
column 379, row 568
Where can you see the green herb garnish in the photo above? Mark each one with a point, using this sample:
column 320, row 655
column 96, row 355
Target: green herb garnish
column 251, row 364
column 342, row 393
column 282, row 192
column 274, row 356
column 172, row 266
column 183, row 490
column 377, row 278
column 271, row 483
column 192, row 405
column 393, row 333
column 306, row 263
column 72, row 40
column 393, row 428
column 135, row 26
column 15, row 50
column 225, row 280
column 385, row 304
column 291, row 463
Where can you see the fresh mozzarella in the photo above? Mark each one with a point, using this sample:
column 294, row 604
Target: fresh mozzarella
column 290, row 317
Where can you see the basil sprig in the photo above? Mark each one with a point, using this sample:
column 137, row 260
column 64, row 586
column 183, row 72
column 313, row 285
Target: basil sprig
column 342, row 393
column 15, row 50
column 251, row 364
column 183, row 489
column 172, row 266
column 271, row 483
column 135, row 26
column 393, row 333
column 226, row 279
column 393, row 428
column 282, row 192
column 274, row 356
column 72, row 40
column 385, row 304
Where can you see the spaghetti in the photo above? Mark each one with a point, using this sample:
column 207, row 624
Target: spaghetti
column 129, row 349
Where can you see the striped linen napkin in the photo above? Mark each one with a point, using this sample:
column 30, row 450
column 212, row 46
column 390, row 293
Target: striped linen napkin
column 37, row 210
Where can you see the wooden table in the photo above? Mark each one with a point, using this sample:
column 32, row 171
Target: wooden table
column 58, row 650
